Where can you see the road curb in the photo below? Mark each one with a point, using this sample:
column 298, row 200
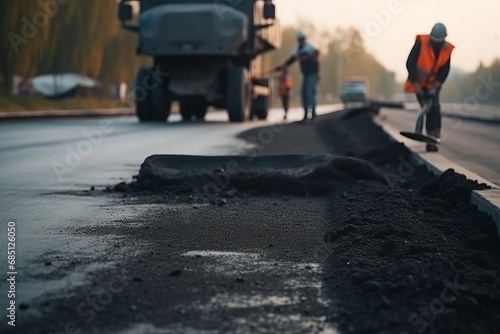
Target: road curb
column 487, row 201
column 72, row 113
column 13, row 115
column 458, row 115
column 483, row 119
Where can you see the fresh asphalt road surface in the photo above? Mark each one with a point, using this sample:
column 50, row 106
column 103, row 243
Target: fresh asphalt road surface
column 473, row 145
column 44, row 157
column 41, row 159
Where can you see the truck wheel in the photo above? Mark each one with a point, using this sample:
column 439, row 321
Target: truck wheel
column 200, row 114
column 143, row 95
column 160, row 102
column 193, row 106
column 260, row 105
column 185, row 111
column 238, row 95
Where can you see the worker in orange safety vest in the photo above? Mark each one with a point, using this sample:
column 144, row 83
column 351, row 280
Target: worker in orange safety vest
column 428, row 67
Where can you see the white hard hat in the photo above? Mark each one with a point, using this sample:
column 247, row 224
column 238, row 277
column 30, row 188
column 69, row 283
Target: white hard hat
column 301, row 34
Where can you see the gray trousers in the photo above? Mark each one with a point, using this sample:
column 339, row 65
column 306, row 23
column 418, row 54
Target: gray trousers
column 308, row 93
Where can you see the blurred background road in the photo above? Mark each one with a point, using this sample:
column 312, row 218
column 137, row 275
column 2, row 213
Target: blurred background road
column 474, row 145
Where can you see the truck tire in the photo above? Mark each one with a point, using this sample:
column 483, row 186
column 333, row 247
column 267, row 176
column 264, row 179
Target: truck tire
column 185, row 111
column 143, row 106
column 260, row 107
column 193, row 106
column 261, row 104
column 238, row 95
column 160, row 102
column 200, row 114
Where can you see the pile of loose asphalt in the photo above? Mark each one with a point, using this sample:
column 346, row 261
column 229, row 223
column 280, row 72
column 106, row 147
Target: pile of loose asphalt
column 399, row 249
column 407, row 251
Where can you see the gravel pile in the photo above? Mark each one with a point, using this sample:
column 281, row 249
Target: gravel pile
column 406, row 252
column 415, row 259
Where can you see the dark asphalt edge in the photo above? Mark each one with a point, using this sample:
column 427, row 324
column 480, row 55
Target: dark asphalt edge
column 487, row 201
column 454, row 115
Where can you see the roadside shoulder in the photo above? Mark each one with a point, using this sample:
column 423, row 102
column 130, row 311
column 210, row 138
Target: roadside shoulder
column 487, row 201
column 11, row 115
column 456, row 113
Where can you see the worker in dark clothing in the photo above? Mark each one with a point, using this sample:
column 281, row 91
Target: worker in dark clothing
column 308, row 56
column 428, row 67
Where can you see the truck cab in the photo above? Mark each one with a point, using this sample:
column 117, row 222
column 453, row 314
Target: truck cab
column 204, row 53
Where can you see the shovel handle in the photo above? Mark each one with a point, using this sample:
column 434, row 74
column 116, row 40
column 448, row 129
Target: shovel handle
column 419, row 126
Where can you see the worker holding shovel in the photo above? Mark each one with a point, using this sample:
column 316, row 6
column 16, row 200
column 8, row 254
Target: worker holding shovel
column 428, row 67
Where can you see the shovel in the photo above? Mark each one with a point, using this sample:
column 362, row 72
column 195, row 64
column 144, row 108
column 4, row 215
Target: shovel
column 418, row 135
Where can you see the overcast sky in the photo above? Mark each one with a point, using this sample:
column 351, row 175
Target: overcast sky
column 473, row 25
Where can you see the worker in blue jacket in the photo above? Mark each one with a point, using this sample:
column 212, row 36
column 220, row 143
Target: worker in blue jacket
column 308, row 56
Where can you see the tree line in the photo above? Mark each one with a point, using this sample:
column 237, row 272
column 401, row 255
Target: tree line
column 85, row 37
column 343, row 55
column 58, row 36
column 482, row 86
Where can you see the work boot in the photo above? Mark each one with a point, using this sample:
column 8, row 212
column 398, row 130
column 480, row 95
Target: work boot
column 431, row 148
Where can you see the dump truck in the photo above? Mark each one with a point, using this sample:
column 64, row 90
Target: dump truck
column 205, row 53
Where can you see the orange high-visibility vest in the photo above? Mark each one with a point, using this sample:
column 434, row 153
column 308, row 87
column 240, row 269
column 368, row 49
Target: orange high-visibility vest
column 427, row 65
column 285, row 84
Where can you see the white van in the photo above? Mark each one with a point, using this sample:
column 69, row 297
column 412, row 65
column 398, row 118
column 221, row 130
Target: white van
column 355, row 91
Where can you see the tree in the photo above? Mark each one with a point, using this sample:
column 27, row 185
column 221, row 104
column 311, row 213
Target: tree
column 23, row 34
column 484, row 80
column 343, row 55
column 84, row 37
